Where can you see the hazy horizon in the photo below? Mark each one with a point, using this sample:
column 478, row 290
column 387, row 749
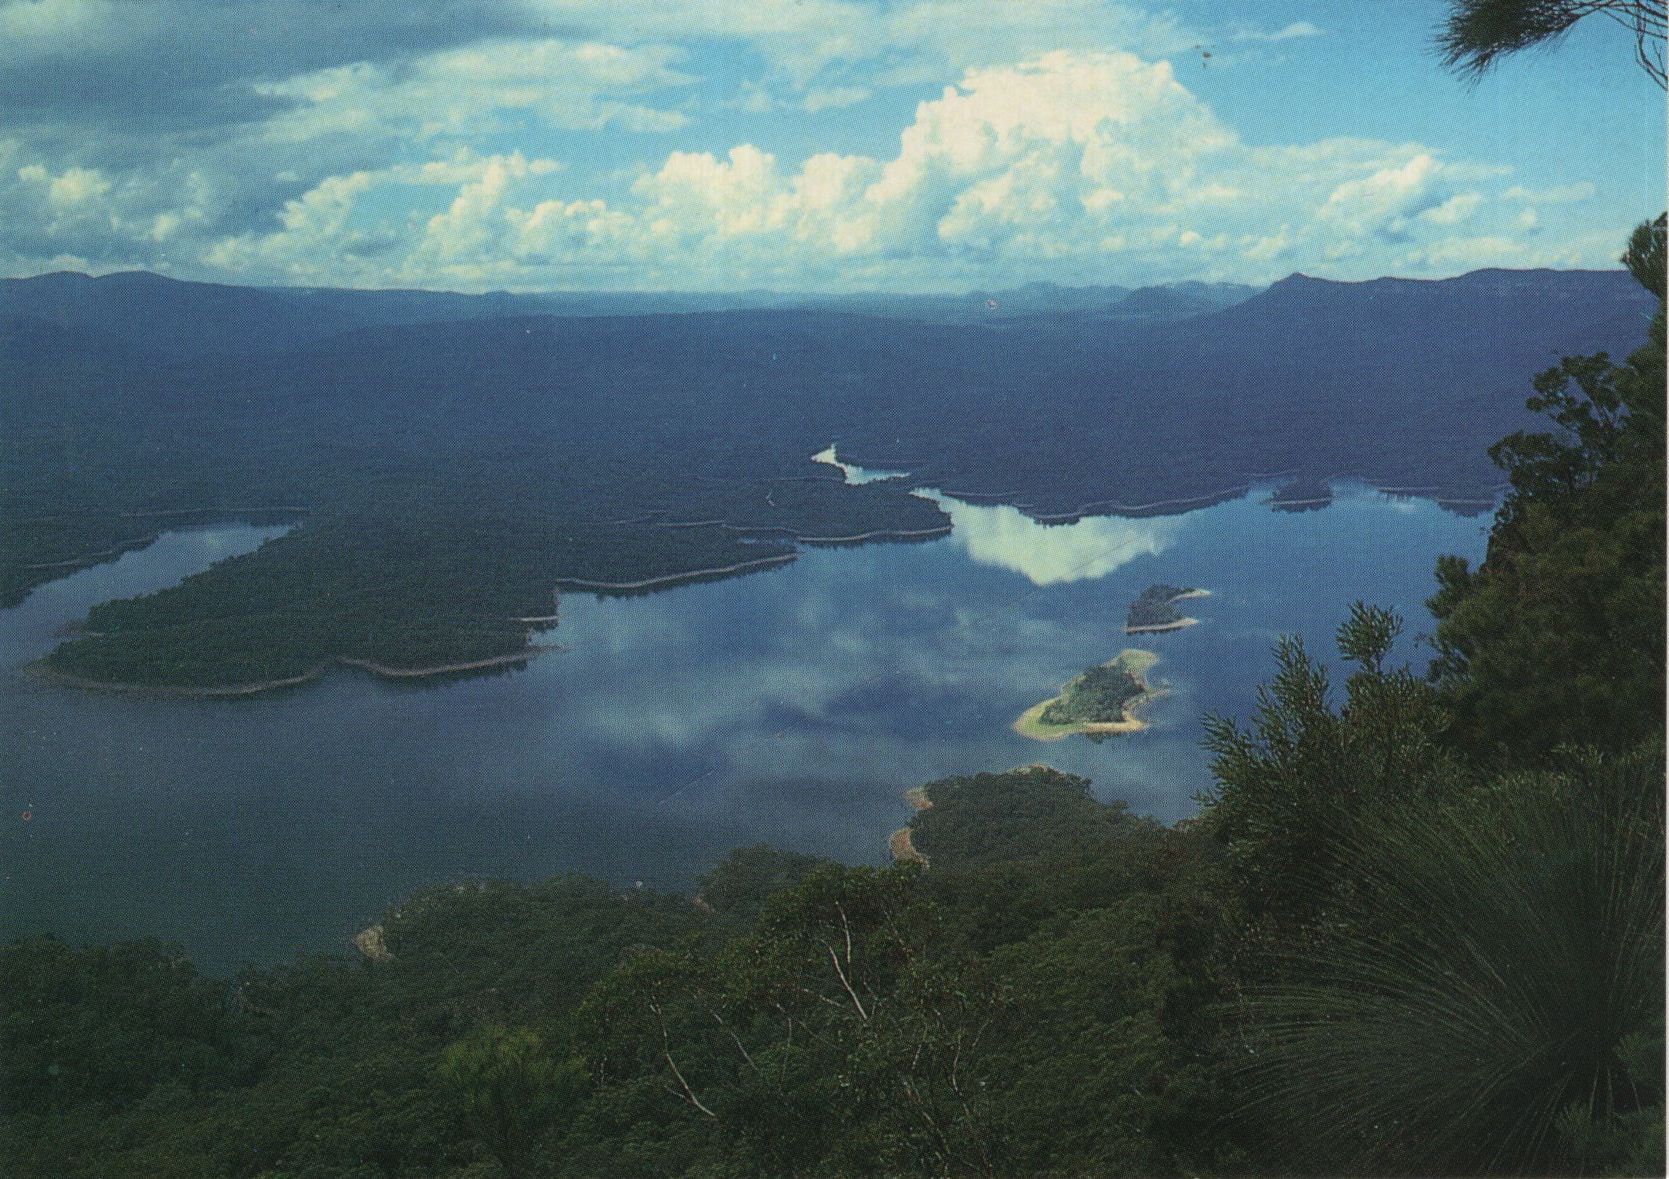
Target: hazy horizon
column 809, row 293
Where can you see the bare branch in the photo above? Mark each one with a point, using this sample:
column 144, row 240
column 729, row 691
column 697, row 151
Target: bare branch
column 687, row 1093
column 846, row 983
column 737, row 1040
column 846, row 928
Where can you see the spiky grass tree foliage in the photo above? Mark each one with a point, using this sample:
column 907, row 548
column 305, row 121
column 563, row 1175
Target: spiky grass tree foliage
column 1478, row 32
column 1494, row 1005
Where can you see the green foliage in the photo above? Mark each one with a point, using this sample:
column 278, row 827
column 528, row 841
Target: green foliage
column 1559, row 635
column 1011, row 851
column 1300, row 783
column 831, row 1040
column 325, row 1067
column 510, row 1091
column 1155, row 607
column 1645, row 254
column 1372, row 953
column 1097, row 695
column 1094, row 1075
column 110, row 1024
column 1367, row 638
column 1547, row 466
column 740, row 885
column 879, row 1023
column 1068, row 995
column 1014, row 816
column 446, row 477
column 1492, row 1021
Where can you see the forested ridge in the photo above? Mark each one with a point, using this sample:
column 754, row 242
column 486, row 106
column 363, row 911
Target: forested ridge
column 444, row 477
column 1417, row 928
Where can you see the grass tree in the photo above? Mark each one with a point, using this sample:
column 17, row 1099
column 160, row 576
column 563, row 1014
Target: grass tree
column 1491, row 1002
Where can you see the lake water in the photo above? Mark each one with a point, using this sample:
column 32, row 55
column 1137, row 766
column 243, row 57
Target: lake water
column 790, row 707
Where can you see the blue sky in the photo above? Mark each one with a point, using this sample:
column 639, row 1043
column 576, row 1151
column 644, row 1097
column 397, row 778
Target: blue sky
column 803, row 144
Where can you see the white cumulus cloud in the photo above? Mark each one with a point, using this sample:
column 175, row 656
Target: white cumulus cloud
column 472, row 90
column 1074, row 166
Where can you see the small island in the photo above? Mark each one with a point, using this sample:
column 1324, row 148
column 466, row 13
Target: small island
column 1155, row 611
column 1099, row 702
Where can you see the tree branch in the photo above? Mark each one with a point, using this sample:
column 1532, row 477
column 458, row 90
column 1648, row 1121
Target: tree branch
column 845, row 983
column 687, row 1093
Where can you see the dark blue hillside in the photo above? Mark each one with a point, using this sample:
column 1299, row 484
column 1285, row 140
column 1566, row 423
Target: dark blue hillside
column 1497, row 308
column 485, row 459
column 142, row 314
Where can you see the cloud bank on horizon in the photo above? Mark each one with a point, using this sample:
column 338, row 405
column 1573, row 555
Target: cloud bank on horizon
column 790, row 144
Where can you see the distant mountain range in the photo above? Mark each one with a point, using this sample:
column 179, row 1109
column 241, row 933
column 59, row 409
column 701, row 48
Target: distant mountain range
column 454, row 456
column 149, row 313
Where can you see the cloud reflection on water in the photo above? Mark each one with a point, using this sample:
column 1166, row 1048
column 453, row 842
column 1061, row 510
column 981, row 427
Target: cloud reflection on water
column 1052, row 554
column 1004, row 537
column 791, row 707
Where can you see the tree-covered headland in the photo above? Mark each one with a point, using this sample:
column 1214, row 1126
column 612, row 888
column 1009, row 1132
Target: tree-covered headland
column 1401, row 937
column 443, row 478
column 1416, row 929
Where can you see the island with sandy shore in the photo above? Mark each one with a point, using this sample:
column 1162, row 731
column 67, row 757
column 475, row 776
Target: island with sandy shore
column 1099, row 702
column 1156, row 610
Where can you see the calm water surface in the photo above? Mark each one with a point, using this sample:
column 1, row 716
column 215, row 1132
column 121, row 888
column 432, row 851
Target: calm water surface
column 790, row 707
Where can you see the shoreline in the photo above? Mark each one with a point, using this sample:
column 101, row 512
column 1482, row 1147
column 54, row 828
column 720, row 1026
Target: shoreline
column 408, row 673
column 369, row 942
column 41, row 671
column 1161, row 627
column 1460, row 496
column 123, row 547
column 790, row 534
column 901, row 843
column 1158, row 628
column 580, row 583
column 1030, row 724
column 894, row 533
column 103, row 556
column 1206, row 499
column 273, row 510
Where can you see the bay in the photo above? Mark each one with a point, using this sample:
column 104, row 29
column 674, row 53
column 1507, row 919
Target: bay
column 790, row 707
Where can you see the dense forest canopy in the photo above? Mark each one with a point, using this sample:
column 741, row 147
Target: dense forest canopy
column 1399, row 938
column 1417, row 927
column 1156, row 607
column 1097, row 694
column 444, row 477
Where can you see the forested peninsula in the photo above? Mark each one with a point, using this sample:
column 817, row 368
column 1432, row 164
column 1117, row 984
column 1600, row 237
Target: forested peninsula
column 1416, row 928
column 444, row 472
